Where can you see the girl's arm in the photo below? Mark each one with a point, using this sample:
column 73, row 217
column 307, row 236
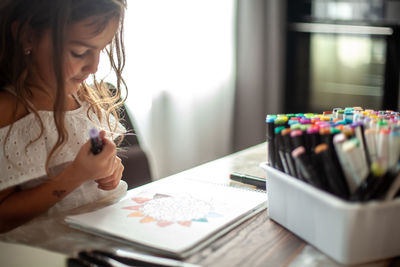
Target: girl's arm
column 18, row 207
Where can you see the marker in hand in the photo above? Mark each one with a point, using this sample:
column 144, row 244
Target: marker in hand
column 96, row 141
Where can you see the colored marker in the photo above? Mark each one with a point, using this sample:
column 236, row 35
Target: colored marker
column 387, row 184
column 370, row 140
column 287, row 149
column 270, row 141
column 383, row 148
column 297, row 138
column 281, row 150
column 277, row 144
column 249, row 179
column 394, row 144
column 368, row 187
column 358, row 167
column 334, row 176
column 338, row 141
column 348, row 131
column 311, row 141
column 393, row 190
column 327, row 114
column 95, row 140
column 348, row 116
column 308, row 171
column 359, row 133
column 326, row 137
column 339, row 114
column 335, row 111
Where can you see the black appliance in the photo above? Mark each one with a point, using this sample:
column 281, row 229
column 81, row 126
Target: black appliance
column 342, row 53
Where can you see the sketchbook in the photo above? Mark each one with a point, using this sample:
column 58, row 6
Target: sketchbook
column 173, row 217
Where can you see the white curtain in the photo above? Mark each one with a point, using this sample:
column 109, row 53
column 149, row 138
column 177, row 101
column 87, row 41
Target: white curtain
column 180, row 73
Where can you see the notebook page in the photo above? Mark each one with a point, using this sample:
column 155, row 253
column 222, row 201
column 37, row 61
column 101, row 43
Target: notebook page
column 171, row 215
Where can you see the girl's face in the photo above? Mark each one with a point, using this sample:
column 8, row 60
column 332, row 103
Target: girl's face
column 81, row 54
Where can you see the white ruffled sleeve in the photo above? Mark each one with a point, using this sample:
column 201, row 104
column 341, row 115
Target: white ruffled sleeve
column 19, row 162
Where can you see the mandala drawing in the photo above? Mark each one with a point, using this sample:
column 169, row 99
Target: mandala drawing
column 166, row 210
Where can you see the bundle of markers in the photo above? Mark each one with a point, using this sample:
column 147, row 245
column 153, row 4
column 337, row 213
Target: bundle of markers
column 352, row 153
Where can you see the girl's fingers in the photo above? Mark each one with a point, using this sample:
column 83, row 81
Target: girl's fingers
column 109, row 148
column 113, row 164
column 105, row 180
column 102, row 134
column 109, row 186
column 112, row 181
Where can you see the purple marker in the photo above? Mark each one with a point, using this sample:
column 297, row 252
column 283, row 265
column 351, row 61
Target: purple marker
column 95, row 140
column 305, row 121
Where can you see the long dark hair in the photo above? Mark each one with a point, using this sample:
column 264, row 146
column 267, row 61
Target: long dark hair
column 55, row 16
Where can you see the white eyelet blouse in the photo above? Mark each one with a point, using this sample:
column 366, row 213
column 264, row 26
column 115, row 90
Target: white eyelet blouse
column 25, row 165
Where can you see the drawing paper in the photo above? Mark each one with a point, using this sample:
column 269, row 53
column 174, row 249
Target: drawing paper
column 173, row 216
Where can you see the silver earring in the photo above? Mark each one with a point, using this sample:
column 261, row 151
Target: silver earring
column 28, row 52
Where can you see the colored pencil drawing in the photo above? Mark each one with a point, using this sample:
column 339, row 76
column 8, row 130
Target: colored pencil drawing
column 166, row 210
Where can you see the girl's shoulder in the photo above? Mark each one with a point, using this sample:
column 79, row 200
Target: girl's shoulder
column 11, row 109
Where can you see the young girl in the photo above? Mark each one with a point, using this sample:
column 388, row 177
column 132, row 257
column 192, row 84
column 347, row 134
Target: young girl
column 47, row 50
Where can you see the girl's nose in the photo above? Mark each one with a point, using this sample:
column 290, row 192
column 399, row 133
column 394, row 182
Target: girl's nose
column 92, row 63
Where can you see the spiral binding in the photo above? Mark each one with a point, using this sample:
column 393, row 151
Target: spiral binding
column 232, row 185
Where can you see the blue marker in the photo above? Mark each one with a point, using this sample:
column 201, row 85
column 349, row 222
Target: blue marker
column 95, row 140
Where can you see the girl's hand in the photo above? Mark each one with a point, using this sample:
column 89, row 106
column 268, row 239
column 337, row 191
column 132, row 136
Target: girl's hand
column 112, row 181
column 87, row 166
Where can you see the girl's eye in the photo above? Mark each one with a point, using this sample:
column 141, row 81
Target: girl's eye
column 77, row 55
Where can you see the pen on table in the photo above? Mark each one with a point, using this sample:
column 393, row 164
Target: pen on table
column 249, row 179
column 95, row 140
column 122, row 258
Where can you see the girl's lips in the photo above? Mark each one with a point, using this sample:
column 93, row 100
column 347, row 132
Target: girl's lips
column 80, row 80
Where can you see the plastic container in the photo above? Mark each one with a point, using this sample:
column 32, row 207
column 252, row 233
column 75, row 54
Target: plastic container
column 348, row 232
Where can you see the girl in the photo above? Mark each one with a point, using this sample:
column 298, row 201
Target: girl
column 47, row 50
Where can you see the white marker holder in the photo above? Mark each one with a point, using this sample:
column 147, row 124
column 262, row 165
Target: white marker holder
column 348, row 232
